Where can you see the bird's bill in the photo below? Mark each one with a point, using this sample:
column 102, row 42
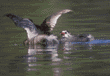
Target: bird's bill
column 62, row 33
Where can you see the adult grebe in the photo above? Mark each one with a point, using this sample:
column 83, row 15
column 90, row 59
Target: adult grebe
column 36, row 33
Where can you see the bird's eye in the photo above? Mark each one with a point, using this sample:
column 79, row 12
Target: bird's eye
column 65, row 32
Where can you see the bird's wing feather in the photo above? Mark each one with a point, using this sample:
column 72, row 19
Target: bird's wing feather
column 50, row 22
column 25, row 23
column 16, row 19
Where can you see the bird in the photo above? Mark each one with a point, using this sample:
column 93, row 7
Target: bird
column 38, row 33
column 67, row 37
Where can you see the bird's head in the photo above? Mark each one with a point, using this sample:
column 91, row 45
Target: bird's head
column 65, row 33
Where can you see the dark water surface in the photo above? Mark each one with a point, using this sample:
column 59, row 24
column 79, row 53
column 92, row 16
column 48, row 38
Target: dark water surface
column 88, row 16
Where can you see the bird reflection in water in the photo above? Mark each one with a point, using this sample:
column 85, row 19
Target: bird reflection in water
column 39, row 53
column 74, row 49
column 49, row 51
column 69, row 46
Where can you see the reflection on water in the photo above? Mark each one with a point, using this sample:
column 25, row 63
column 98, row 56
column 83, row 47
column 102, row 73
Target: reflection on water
column 41, row 53
column 74, row 57
column 49, row 52
column 86, row 59
column 69, row 48
column 57, row 60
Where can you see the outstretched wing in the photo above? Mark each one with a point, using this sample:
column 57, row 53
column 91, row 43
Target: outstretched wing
column 25, row 23
column 50, row 22
column 15, row 18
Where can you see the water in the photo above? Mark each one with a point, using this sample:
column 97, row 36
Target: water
column 89, row 16
column 55, row 60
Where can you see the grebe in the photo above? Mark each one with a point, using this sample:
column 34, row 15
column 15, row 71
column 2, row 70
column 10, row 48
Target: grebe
column 67, row 37
column 36, row 33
